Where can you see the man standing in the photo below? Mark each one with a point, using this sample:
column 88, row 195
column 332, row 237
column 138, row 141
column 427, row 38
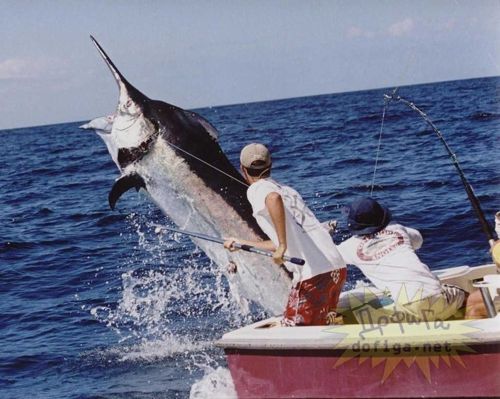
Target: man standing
column 293, row 229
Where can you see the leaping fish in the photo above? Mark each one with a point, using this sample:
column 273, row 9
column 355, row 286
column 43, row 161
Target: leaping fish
column 174, row 155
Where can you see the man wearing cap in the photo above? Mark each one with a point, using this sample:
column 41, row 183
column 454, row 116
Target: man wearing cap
column 293, row 230
column 385, row 253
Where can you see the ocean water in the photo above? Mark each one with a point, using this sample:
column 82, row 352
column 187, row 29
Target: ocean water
column 93, row 303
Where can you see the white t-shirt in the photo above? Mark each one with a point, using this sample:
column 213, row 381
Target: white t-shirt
column 389, row 260
column 306, row 237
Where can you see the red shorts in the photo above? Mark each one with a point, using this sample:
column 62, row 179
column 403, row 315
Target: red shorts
column 313, row 302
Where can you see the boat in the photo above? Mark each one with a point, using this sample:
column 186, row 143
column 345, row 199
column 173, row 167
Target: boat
column 373, row 355
column 375, row 352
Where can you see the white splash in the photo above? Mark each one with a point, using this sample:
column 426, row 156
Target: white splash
column 165, row 311
column 216, row 383
column 162, row 348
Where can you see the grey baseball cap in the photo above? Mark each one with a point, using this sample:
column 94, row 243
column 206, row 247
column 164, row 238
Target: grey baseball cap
column 255, row 153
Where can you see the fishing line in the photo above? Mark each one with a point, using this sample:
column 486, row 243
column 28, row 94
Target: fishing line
column 387, row 99
column 378, row 149
column 228, row 175
column 386, row 103
column 206, row 163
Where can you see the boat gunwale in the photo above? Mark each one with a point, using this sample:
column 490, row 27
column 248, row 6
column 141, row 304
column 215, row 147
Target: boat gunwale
column 256, row 336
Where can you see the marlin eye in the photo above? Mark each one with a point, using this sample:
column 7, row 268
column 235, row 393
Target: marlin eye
column 128, row 103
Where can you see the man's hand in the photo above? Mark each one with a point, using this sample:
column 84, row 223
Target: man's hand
column 330, row 226
column 229, row 244
column 232, row 268
column 278, row 254
column 495, row 252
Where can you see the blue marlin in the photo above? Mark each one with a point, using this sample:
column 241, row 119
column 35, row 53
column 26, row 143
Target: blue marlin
column 174, row 155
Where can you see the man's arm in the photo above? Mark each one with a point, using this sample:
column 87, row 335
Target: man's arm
column 267, row 245
column 276, row 209
column 345, row 251
column 416, row 239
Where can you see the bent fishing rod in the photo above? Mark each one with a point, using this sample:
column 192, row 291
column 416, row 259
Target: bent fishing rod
column 487, row 228
column 244, row 247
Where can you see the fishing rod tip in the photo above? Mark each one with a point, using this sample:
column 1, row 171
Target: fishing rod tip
column 391, row 97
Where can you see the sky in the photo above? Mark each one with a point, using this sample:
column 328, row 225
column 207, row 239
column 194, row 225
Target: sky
column 205, row 53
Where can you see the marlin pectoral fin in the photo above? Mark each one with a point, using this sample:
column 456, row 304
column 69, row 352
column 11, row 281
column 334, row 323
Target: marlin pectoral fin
column 122, row 185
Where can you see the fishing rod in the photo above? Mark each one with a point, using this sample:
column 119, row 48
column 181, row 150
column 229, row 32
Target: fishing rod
column 487, row 228
column 244, row 247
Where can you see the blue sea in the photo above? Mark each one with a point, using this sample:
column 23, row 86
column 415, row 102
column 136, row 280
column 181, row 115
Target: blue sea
column 93, row 303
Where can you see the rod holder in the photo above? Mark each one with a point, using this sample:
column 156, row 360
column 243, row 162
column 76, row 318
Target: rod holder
column 488, row 301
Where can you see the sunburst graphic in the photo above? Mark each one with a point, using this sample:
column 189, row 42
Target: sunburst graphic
column 384, row 334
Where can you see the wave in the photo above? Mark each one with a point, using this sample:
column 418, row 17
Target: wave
column 484, row 116
column 13, row 246
column 377, row 117
column 354, row 161
column 30, row 364
column 110, row 219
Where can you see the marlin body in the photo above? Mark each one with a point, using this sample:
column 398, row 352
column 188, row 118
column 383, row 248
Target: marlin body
column 174, row 155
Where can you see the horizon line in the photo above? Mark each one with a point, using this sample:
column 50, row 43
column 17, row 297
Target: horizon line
column 269, row 100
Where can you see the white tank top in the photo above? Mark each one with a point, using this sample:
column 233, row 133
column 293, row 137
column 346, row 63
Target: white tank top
column 306, row 237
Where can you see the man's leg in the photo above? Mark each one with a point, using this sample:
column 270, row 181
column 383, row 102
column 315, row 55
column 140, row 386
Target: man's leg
column 338, row 277
column 475, row 307
column 291, row 315
column 312, row 300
